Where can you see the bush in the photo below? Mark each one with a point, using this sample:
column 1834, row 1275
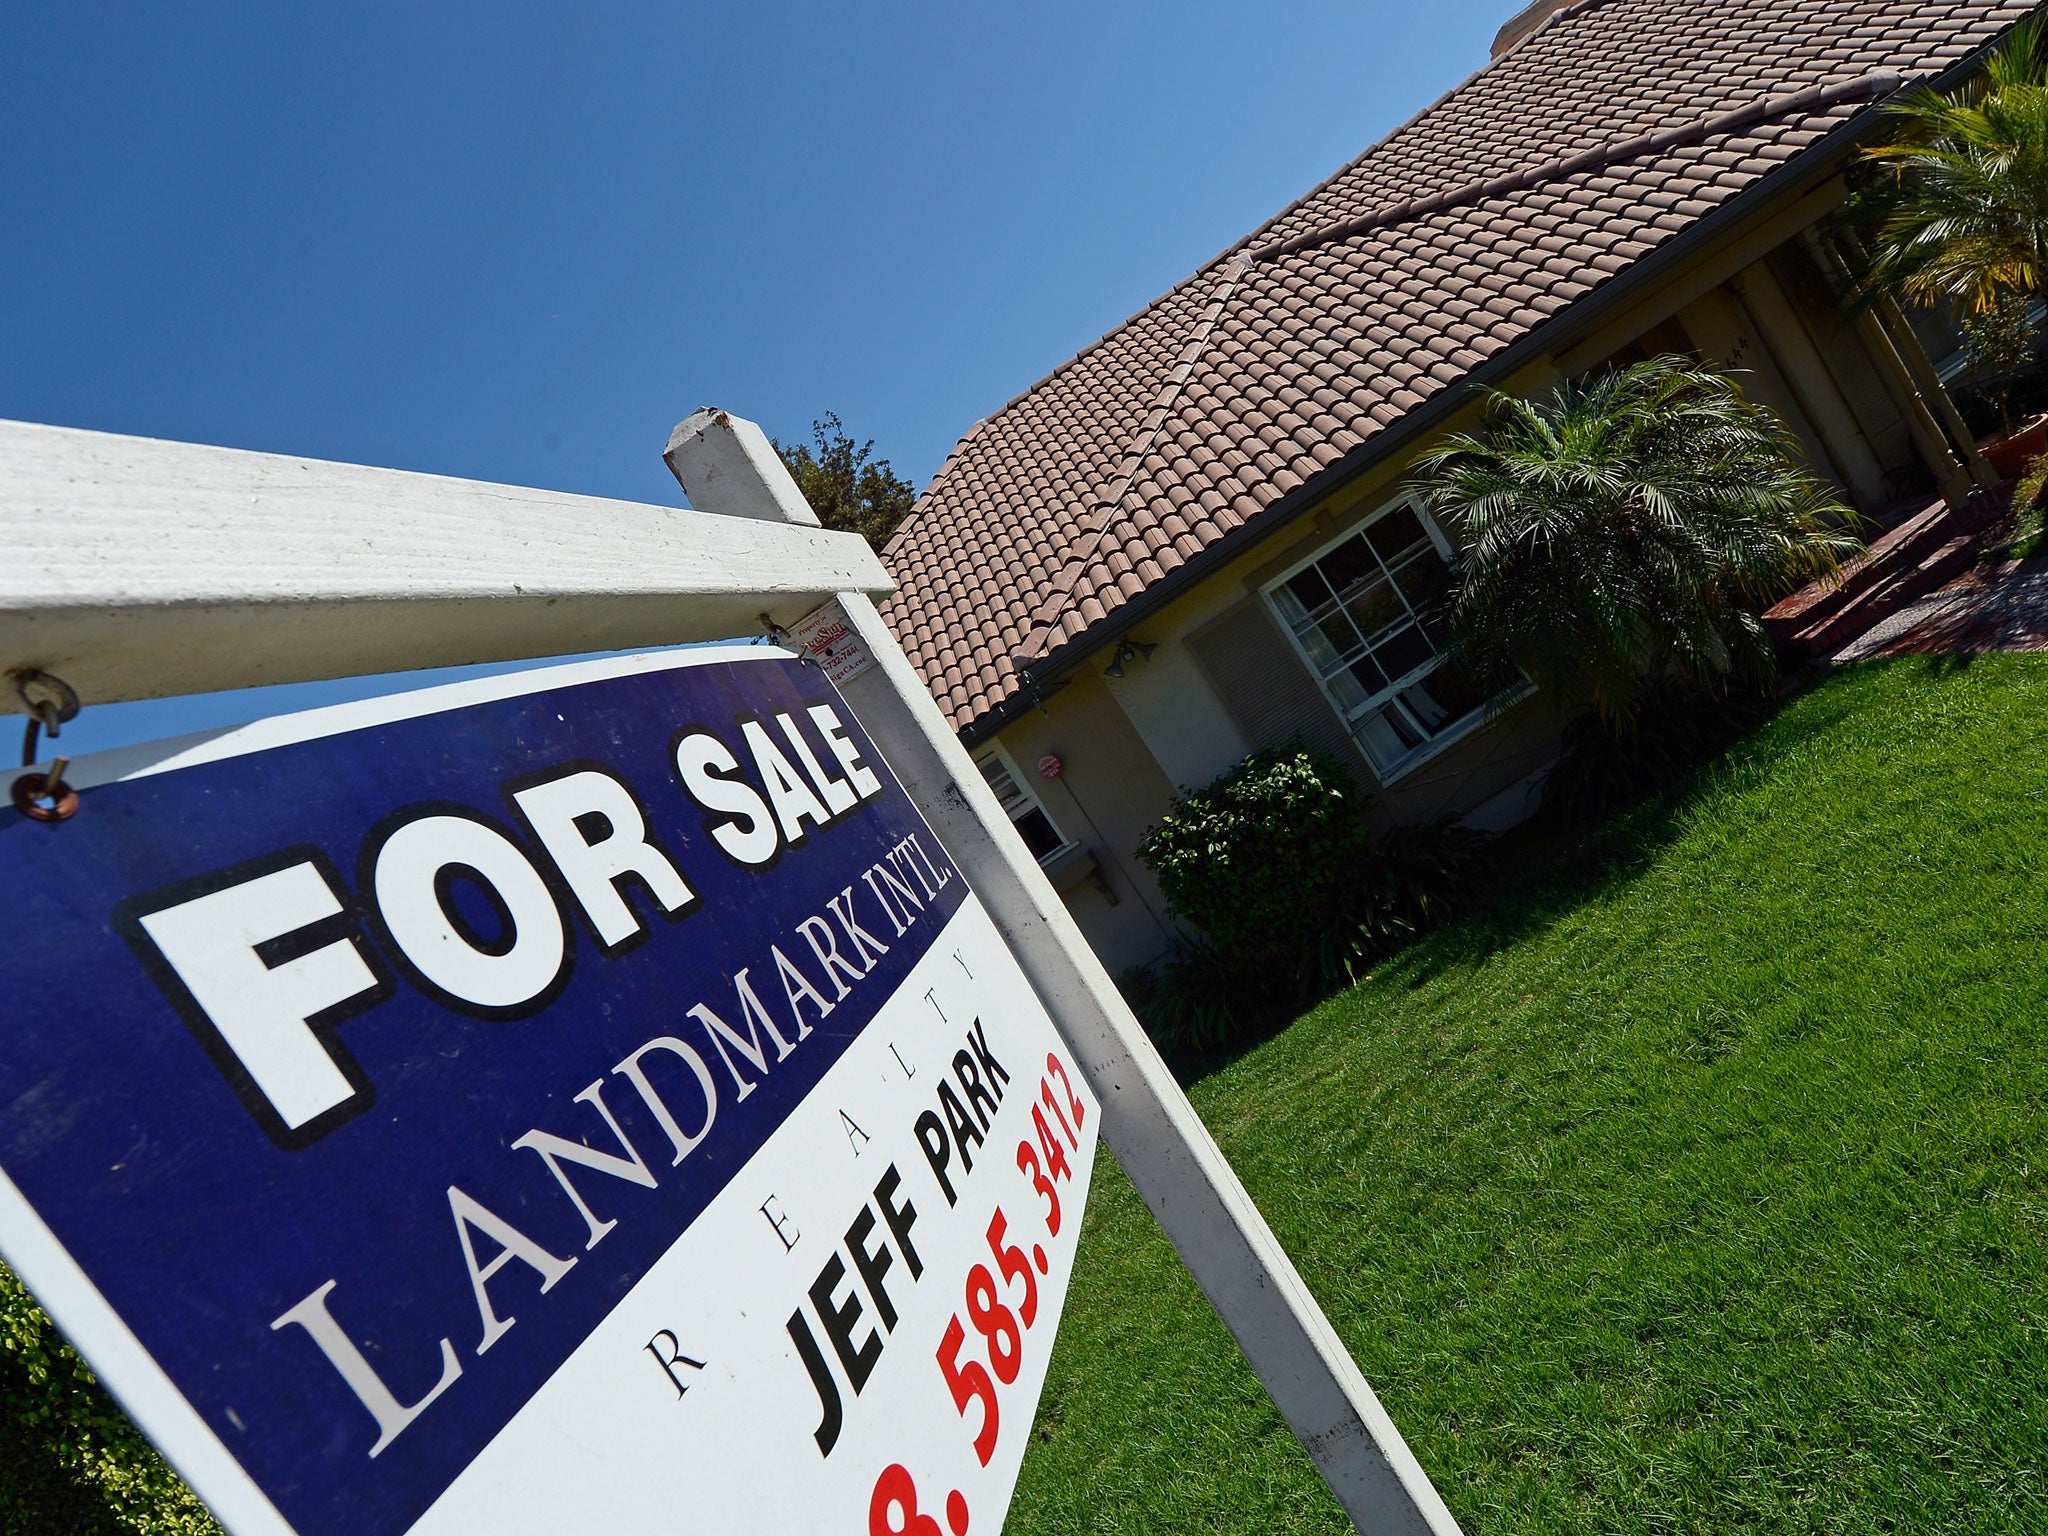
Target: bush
column 2024, row 532
column 71, row 1464
column 1273, row 864
column 1258, row 859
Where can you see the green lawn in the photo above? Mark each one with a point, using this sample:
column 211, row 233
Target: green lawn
column 1698, row 1183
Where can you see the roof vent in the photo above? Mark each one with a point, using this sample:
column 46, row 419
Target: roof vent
column 1523, row 22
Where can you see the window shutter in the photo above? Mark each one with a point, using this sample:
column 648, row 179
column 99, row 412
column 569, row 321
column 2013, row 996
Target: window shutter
column 1265, row 688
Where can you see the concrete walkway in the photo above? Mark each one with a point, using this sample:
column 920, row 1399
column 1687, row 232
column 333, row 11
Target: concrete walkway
column 1992, row 608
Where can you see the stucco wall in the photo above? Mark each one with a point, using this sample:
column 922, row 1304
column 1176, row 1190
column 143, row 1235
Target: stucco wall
column 1110, row 789
column 1177, row 713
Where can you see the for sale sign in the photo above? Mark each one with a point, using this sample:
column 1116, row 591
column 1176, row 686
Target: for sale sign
column 591, row 1100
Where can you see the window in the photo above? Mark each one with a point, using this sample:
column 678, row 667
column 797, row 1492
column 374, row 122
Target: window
column 1021, row 806
column 1367, row 615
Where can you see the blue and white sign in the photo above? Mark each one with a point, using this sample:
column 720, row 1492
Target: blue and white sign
column 586, row 1100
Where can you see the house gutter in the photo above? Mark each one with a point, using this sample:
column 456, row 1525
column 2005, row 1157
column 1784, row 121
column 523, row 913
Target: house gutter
column 1806, row 172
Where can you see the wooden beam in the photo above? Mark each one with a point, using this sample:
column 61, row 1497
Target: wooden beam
column 137, row 568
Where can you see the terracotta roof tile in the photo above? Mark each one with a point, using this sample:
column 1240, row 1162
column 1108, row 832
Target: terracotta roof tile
column 1255, row 376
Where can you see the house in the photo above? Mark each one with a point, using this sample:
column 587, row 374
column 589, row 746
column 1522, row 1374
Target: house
column 1192, row 540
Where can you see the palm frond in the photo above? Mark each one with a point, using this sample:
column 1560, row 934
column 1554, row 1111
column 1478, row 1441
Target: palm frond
column 1961, row 211
column 1625, row 531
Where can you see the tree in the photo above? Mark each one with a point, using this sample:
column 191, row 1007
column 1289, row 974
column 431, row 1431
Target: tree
column 1999, row 342
column 846, row 485
column 1624, row 534
column 1963, row 214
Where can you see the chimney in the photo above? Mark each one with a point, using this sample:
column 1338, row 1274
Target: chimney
column 1523, row 22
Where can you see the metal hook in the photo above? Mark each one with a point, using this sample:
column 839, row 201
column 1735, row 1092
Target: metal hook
column 49, row 701
column 45, row 696
column 774, row 634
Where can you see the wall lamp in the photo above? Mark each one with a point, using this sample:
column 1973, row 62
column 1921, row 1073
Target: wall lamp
column 1128, row 649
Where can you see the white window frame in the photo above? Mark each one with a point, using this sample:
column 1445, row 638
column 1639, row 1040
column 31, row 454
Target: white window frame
column 1028, row 800
column 1402, row 766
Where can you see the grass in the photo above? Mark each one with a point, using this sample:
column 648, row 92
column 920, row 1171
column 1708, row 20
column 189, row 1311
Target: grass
column 1698, row 1183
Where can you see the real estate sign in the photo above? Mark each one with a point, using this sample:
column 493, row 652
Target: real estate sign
column 590, row 1100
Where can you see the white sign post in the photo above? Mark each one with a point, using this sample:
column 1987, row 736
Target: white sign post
column 145, row 568
column 1171, row 1158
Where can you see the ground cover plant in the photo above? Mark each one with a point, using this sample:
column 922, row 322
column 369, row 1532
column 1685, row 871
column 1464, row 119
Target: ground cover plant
column 1697, row 1182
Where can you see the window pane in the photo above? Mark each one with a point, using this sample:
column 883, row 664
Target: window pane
column 1387, row 737
column 1404, row 651
column 1368, row 674
column 1039, row 834
column 1331, row 638
column 1347, row 565
column 1430, row 714
column 1319, row 649
column 1438, row 703
column 1423, row 580
column 1449, row 687
column 999, row 780
column 1346, row 689
column 1303, row 595
column 1375, row 607
column 1396, row 533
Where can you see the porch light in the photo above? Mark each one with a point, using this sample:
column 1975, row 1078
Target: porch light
column 1128, row 649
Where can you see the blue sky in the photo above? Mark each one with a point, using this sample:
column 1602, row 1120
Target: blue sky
column 518, row 242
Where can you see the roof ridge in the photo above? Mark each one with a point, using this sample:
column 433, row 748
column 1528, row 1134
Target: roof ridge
column 1246, row 241
column 1563, row 13
column 1868, row 86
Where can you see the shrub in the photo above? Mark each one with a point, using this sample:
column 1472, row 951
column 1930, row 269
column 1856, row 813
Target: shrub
column 1273, row 864
column 1259, row 858
column 1199, row 1003
column 1411, row 881
column 71, row 1464
column 1629, row 527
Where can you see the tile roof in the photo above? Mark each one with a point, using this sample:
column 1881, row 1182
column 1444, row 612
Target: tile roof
column 1612, row 127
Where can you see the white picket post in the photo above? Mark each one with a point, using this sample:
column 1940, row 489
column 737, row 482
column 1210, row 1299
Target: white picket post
column 726, row 464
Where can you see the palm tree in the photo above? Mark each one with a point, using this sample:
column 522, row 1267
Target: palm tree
column 1624, row 534
column 1964, row 211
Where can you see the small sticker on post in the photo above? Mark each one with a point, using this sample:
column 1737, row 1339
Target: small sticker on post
column 825, row 636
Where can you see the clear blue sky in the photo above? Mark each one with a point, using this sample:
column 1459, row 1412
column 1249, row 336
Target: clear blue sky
column 519, row 242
